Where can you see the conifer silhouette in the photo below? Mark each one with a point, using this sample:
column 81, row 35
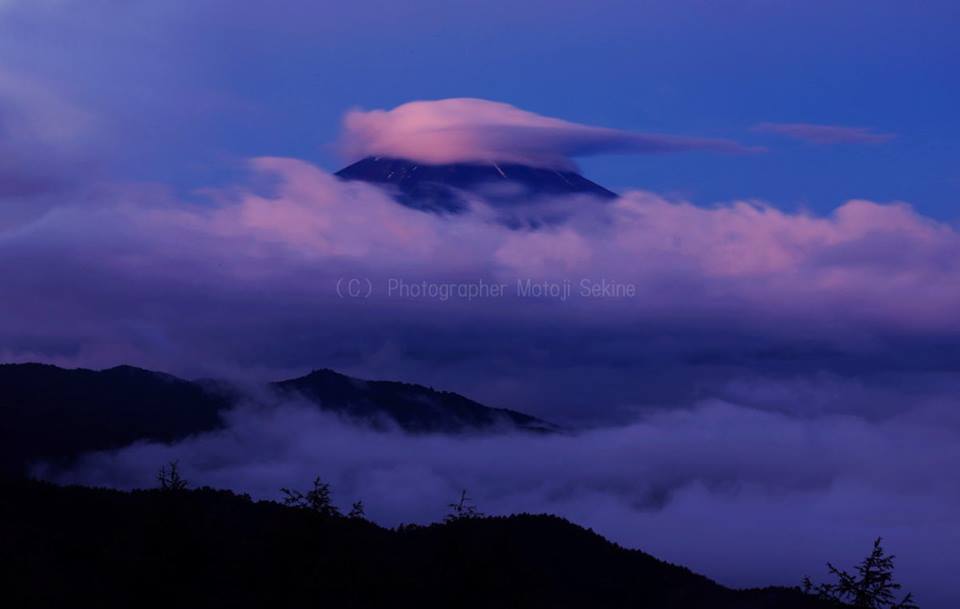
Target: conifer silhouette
column 871, row 587
column 316, row 499
column 357, row 511
column 463, row 508
column 170, row 479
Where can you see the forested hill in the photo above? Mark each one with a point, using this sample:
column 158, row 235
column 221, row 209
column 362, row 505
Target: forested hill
column 55, row 414
column 83, row 547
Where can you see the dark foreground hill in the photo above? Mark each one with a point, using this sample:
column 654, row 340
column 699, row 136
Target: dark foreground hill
column 82, row 547
column 54, row 414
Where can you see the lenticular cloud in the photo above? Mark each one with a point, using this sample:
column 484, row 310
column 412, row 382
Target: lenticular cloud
column 466, row 130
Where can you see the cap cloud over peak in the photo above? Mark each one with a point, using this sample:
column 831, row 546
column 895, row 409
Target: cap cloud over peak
column 467, row 130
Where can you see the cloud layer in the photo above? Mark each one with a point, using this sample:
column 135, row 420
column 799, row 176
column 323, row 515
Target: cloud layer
column 247, row 284
column 45, row 145
column 476, row 130
column 745, row 496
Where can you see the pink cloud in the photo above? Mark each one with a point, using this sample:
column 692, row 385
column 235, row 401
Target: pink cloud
column 477, row 130
column 147, row 273
column 866, row 262
column 825, row 134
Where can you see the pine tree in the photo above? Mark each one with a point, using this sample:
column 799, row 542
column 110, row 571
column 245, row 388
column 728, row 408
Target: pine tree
column 871, row 587
column 462, row 509
column 357, row 511
column 316, row 499
column 170, row 479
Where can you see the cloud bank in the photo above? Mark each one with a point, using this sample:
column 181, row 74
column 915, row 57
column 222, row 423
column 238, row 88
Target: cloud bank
column 247, row 284
column 465, row 130
column 44, row 146
column 745, row 496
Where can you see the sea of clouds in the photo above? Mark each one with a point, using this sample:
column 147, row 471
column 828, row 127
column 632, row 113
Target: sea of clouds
column 746, row 496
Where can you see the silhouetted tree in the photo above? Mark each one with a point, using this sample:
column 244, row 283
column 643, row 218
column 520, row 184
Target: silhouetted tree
column 170, row 479
column 871, row 587
column 316, row 499
column 463, row 508
column 357, row 511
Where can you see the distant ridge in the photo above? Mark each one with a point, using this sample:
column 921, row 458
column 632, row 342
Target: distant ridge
column 54, row 414
column 439, row 188
column 413, row 407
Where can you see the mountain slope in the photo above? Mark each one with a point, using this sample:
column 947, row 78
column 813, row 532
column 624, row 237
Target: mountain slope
column 54, row 414
column 414, row 408
column 82, row 547
column 439, row 188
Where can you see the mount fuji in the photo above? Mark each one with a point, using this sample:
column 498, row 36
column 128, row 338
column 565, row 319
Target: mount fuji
column 447, row 188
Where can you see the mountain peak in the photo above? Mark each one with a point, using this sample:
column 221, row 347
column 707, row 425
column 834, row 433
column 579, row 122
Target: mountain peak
column 413, row 407
column 441, row 188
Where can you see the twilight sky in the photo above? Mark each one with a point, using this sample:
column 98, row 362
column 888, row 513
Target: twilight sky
column 788, row 226
column 178, row 90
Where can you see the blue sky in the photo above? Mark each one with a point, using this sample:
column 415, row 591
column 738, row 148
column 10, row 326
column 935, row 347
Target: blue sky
column 184, row 90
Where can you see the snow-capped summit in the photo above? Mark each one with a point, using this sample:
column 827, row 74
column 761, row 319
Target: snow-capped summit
column 444, row 188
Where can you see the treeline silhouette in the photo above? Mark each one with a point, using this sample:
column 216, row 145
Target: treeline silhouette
column 173, row 546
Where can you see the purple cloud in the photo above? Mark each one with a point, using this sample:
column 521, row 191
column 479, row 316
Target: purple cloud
column 825, row 134
column 45, row 146
column 745, row 260
column 679, row 483
column 247, row 285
